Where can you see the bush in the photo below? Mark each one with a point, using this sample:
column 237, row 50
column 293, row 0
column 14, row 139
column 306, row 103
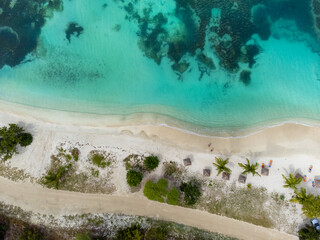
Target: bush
column 192, row 192
column 99, row 160
column 75, row 152
column 134, row 178
column 3, row 229
column 25, row 139
column 9, row 139
column 83, row 236
column 156, row 191
column 310, row 203
column 158, row 233
column 31, row 234
column 151, row 162
column 173, row 196
column 132, row 233
column 172, row 170
column 308, row 233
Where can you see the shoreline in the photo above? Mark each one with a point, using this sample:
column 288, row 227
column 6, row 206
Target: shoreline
column 274, row 140
column 141, row 120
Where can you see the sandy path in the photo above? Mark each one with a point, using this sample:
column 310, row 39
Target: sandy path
column 46, row 201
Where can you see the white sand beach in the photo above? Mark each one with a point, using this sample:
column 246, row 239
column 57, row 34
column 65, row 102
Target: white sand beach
column 292, row 147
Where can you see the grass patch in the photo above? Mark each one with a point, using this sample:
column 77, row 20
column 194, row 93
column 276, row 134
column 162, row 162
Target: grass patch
column 99, row 160
column 158, row 191
column 173, row 196
column 240, row 203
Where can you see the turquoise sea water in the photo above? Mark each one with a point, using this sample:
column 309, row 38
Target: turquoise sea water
column 148, row 56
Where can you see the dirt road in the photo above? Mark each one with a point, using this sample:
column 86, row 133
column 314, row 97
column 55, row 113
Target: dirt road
column 46, row 201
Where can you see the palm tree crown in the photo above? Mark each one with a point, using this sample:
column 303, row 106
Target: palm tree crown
column 220, row 165
column 291, row 181
column 301, row 196
column 249, row 168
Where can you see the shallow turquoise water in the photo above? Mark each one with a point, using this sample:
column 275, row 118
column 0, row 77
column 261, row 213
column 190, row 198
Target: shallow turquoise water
column 106, row 71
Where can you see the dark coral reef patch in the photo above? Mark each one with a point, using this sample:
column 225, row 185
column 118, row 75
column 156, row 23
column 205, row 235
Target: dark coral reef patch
column 20, row 25
column 239, row 20
column 73, row 29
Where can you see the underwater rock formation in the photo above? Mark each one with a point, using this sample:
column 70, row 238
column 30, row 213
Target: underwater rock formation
column 316, row 16
column 73, row 29
column 21, row 22
column 245, row 77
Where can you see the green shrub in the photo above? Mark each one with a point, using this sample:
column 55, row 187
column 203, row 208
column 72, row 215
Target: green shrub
column 31, row 234
column 131, row 233
column 310, row 203
column 172, row 170
column 158, row 233
column 99, row 160
column 52, row 179
column 308, row 233
column 3, row 229
column 173, row 196
column 151, row 162
column 192, row 192
column 9, row 139
column 75, row 152
column 83, row 236
column 134, row 178
column 25, row 139
column 156, row 191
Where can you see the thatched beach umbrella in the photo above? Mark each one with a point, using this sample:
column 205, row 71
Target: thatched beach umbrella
column 225, row 176
column 298, row 175
column 187, row 161
column 242, row 179
column 317, row 182
column 206, row 172
column 265, row 171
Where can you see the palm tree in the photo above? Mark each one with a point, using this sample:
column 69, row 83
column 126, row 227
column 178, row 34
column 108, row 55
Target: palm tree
column 301, row 196
column 53, row 178
column 291, row 181
column 221, row 165
column 249, row 168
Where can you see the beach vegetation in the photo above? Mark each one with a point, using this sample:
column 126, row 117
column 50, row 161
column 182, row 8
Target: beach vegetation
column 249, row 168
column 134, row 232
column 158, row 232
column 308, row 233
column 83, row 236
column 99, row 160
column 75, row 152
column 310, row 203
column 291, row 181
column 31, row 233
column 52, row 179
column 3, row 230
column 173, row 196
column 220, row 165
column 156, row 191
column 26, row 139
column 151, row 162
column 135, row 162
column 10, row 137
column 192, row 191
column 134, row 178
column 172, row 170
